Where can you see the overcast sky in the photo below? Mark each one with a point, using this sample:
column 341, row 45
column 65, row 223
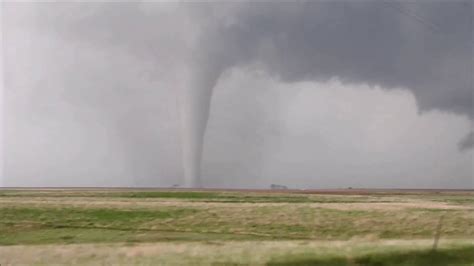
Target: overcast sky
column 327, row 94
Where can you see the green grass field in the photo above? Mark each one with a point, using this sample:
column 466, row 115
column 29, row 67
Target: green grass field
column 180, row 227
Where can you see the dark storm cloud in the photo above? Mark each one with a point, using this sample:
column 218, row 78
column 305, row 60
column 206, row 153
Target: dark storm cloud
column 425, row 47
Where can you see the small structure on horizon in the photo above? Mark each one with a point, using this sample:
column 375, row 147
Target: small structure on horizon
column 275, row 186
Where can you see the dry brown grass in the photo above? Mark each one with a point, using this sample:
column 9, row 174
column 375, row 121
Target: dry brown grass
column 194, row 253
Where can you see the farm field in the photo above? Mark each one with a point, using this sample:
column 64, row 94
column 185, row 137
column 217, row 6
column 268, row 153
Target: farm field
column 232, row 227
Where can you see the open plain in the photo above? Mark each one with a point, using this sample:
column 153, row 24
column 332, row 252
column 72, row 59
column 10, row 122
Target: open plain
column 236, row 227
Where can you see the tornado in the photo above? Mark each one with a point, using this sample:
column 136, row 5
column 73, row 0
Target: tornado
column 195, row 103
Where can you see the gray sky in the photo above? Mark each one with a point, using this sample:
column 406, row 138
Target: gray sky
column 321, row 94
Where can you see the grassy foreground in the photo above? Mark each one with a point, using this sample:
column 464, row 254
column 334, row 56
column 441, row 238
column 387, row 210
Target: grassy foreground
column 229, row 228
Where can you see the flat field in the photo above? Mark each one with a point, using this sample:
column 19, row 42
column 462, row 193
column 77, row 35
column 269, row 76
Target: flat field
column 246, row 227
